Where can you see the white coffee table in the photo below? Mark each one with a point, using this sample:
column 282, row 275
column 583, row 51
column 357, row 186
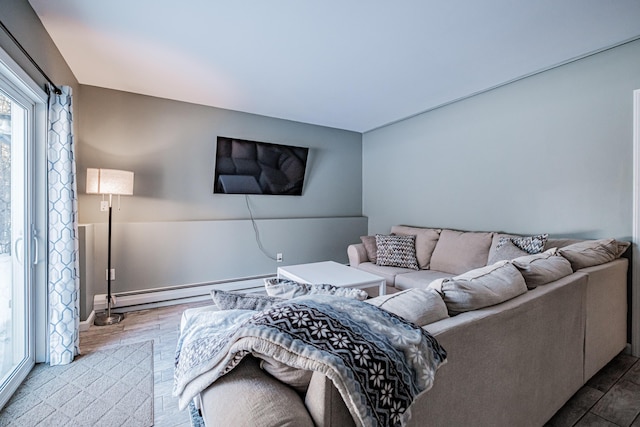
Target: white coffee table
column 332, row 273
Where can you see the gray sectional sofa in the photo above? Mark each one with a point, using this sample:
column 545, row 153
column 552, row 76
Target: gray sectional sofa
column 523, row 331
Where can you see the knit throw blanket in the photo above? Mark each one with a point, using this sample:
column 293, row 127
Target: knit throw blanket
column 378, row 362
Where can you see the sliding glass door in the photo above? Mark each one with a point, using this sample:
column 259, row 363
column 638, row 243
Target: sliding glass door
column 20, row 219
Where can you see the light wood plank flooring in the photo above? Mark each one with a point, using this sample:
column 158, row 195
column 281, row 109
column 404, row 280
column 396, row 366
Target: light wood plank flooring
column 611, row 398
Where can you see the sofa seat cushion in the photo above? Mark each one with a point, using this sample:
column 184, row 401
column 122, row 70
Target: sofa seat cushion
column 540, row 269
column 458, row 251
column 418, row 306
column 389, row 273
column 248, row 397
column 482, row 287
column 593, row 252
column 426, row 239
column 419, row 279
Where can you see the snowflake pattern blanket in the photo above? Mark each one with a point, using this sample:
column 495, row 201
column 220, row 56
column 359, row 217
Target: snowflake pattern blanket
column 379, row 362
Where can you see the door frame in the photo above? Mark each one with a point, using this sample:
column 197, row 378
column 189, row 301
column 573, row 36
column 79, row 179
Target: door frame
column 635, row 258
column 36, row 218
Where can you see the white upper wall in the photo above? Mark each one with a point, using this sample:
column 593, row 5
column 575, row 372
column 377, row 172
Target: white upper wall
column 549, row 153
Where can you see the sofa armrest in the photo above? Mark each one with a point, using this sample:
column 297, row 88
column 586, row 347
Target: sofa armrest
column 325, row 405
column 357, row 254
column 606, row 314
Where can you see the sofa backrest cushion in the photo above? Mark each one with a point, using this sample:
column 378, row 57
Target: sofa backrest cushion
column 247, row 396
column 418, row 306
column 543, row 268
column 593, row 252
column 481, row 287
column 560, row 243
column 459, row 251
column 426, row 239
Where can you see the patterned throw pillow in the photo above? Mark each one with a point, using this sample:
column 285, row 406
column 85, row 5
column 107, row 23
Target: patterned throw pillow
column 397, row 251
column 530, row 244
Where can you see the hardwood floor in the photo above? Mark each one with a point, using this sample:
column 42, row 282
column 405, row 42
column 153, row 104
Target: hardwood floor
column 611, row 398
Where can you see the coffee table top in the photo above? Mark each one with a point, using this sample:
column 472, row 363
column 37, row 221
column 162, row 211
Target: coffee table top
column 330, row 272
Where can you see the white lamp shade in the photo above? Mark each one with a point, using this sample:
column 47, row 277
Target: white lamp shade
column 109, row 181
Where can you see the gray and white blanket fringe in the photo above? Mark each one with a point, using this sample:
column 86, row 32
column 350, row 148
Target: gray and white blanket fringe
column 379, row 362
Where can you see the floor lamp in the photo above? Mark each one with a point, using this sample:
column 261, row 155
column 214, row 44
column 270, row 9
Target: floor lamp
column 109, row 182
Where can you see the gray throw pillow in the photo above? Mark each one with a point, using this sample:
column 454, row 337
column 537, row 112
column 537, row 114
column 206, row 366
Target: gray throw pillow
column 540, row 269
column 231, row 300
column 505, row 250
column 370, row 247
column 397, row 251
column 283, row 288
column 480, row 288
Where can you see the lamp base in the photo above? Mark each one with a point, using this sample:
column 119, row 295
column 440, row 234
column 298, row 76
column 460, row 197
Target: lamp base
column 103, row 319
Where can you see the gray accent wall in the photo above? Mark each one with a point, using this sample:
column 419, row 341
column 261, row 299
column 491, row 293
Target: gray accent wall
column 170, row 146
column 198, row 252
column 174, row 230
column 548, row 153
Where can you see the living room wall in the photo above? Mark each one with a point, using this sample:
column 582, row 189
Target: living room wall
column 174, row 231
column 170, row 145
column 548, row 153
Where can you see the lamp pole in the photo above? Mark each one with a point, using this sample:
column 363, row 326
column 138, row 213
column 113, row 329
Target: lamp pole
column 109, row 181
column 109, row 319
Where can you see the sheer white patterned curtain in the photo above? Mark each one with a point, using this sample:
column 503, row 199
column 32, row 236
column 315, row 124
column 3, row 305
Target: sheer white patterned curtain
column 64, row 282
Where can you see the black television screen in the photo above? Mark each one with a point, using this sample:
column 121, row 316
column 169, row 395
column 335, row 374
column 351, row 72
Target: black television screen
column 251, row 167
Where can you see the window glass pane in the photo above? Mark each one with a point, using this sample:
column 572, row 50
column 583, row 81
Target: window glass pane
column 13, row 340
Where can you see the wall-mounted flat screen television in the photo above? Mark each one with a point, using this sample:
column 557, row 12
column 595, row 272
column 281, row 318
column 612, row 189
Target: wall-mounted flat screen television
column 252, row 167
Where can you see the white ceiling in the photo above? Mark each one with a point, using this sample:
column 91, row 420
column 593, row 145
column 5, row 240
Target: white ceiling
column 349, row 64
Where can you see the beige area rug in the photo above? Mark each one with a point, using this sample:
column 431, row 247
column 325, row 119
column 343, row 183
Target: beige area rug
column 111, row 387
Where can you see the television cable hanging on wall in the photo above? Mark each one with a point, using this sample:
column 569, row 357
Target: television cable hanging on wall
column 256, row 231
column 56, row 89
